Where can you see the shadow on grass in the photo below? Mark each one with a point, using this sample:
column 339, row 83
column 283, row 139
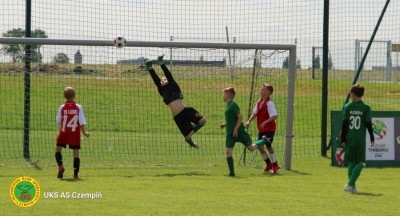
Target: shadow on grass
column 295, row 172
column 272, row 174
column 286, row 173
column 181, row 174
column 70, row 180
column 367, row 194
column 33, row 164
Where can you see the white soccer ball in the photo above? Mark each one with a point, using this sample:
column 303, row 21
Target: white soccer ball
column 119, row 41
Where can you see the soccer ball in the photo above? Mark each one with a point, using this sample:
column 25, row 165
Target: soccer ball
column 119, row 41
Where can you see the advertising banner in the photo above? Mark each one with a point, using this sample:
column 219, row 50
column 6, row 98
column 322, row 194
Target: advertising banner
column 385, row 151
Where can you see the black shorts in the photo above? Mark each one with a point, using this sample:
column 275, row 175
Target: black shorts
column 270, row 135
column 70, row 146
column 186, row 118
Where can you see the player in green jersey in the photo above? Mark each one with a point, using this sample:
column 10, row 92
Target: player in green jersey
column 356, row 120
column 235, row 131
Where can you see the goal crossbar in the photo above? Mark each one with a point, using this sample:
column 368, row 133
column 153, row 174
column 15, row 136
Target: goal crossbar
column 168, row 44
column 161, row 44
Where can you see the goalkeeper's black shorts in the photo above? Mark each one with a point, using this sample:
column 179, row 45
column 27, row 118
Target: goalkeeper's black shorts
column 185, row 118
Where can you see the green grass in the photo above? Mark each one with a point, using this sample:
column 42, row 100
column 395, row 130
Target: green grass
column 192, row 187
column 124, row 111
column 138, row 160
column 129, row 109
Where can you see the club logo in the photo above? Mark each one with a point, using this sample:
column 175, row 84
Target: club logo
column 25, row 191
column 380, row 129
column 339, row 155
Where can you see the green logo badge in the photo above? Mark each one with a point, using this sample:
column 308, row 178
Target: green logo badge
column 25, row 191
column 379, row 129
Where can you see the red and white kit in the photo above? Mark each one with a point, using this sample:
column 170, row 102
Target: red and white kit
column 70, row 117
column 264, row 110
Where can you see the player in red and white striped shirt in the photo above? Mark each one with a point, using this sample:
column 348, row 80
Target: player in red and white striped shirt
column 266, row 115
column 72, row 121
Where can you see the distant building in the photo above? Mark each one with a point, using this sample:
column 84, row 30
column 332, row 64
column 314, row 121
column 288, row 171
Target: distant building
column 384, row 68
column 140, row 60
column 200, row 62
column 78, row 57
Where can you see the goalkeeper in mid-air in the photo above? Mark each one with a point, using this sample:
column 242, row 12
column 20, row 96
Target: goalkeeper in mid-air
column 188, row 120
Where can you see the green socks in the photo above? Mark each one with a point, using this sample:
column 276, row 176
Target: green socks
column 350, row 169
column 190, row 142
column 197, row 127
column 230, row 165
column 260, row 142
column 355, row 174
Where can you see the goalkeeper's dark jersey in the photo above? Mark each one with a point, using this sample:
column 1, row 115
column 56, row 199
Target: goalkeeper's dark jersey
column 357, row 113
column 169, row 92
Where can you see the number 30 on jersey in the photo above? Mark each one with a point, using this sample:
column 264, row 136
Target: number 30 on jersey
column 355, row 122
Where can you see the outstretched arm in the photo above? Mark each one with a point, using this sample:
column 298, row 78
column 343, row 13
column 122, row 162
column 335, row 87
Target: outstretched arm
column 167, row 73
column 155, row 78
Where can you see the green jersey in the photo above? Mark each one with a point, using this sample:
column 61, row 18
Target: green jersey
column 357, row 113
column 231, row 117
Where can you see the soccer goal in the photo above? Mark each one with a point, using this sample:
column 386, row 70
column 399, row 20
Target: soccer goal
column 378, row 64
column 123, row 109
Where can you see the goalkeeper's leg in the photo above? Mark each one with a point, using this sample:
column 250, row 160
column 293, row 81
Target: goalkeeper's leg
column 195, row 118
column 191, row 143
column 184, row 122
column 199, row 125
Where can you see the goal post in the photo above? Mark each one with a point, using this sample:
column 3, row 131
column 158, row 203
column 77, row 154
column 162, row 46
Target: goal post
column 379, row 60
column 291, row 73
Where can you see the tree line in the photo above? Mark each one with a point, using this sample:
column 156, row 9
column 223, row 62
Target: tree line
column 17, row 51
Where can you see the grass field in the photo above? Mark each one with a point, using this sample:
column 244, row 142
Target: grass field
column 124, row 110
column 186, row 187
column 118, row 111
column 138, row 160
